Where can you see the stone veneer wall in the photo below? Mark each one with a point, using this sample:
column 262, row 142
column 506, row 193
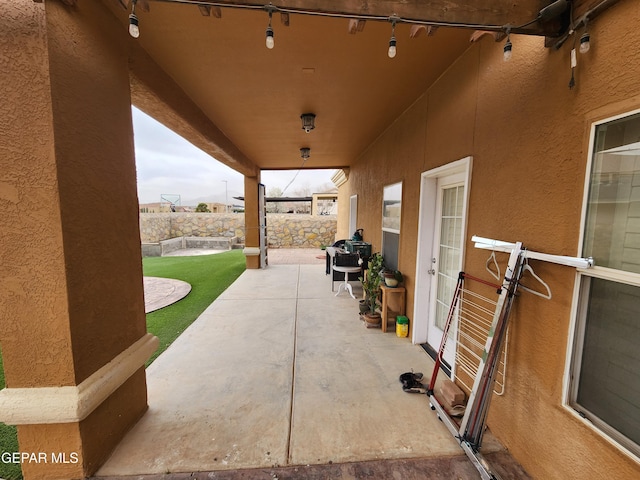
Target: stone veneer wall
column 284, row 230
column 301, row 231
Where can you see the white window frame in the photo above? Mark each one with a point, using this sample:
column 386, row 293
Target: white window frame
column 386, row 188
column 579, row 305
column 353, row 213
column 395, row 231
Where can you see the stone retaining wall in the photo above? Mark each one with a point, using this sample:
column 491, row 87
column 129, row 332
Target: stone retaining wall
column 155, row 227
column 283, row 230
column 300, row 231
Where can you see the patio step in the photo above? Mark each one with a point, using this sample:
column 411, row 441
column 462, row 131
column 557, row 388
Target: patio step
column 434, row 468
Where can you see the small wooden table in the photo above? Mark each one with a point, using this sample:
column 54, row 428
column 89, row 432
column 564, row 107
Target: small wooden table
column 397, row 303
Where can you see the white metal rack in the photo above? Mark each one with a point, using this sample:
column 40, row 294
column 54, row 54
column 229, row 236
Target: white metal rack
column 482, row 324
column 474, row 318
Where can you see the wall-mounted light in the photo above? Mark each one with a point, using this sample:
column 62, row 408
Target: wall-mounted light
column 305, row 152
column 392, row 41
column 308, row 121
column 134, row 30
column 269, row 41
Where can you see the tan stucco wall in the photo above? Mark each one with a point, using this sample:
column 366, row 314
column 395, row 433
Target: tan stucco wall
column 96, row 181
column 33, row 161
column 528, row 135
column 68, row 200
column 252, row 218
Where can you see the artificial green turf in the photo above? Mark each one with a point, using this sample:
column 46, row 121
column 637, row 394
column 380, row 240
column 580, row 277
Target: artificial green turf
column 209, row 276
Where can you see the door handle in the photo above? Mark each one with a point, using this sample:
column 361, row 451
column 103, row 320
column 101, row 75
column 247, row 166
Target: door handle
column 432, row 271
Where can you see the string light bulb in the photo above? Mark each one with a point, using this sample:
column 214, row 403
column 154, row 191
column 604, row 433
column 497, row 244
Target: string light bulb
column 269, row 41
column 134, row 29
column 508, row 46
column 585, row 42
column 392, row 41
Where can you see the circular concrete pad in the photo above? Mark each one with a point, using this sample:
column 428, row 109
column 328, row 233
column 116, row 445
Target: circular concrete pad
column 161, row 292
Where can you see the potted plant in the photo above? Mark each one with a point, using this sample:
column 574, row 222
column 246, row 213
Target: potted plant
column 371, row 286
column 392, row 278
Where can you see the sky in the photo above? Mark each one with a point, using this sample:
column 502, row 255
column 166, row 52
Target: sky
column 168, row 165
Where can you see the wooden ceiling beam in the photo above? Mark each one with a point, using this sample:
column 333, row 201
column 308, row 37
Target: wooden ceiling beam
column 584, row 11
column 208, row 11
column 416, row 30
column 356, row 25
column 490, row 15
column 142, row 4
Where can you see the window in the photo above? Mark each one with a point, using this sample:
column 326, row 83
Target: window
column 605, row 385
column 391, row 210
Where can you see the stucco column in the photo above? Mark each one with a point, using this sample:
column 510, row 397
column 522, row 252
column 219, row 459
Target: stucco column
column 252, row 221
column 73, row 333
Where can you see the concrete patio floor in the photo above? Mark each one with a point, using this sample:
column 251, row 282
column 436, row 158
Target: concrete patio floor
column 278, row 372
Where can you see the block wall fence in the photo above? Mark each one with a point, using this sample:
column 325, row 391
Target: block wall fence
column 283, row 230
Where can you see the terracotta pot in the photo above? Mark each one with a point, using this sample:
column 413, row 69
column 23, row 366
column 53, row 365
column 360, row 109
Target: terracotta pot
column 373, row 320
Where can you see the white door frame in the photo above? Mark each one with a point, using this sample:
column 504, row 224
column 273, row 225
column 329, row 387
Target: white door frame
column 262, row 219
column 353, row 214
column 427, row 220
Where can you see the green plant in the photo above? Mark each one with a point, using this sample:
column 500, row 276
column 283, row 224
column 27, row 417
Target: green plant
column 398, row 276
column 371, row 281
column 394, row 274
column 203, row 208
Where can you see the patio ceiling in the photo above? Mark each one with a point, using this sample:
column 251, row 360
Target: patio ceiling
column 252, row 97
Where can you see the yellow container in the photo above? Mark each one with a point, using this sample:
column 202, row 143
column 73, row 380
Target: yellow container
column 402, row 326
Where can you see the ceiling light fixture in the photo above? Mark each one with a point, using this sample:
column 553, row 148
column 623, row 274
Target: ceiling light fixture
column 269, row 41
column 308, row 121
column 392, row 40
column 134, row 31
column 305, row 153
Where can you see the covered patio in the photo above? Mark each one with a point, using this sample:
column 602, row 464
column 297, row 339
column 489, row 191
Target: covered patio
column 279, row 372
column 482, row 103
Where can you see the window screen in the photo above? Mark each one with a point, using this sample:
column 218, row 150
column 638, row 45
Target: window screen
column 391, row 214
column 609, row 386
column 390, row 245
